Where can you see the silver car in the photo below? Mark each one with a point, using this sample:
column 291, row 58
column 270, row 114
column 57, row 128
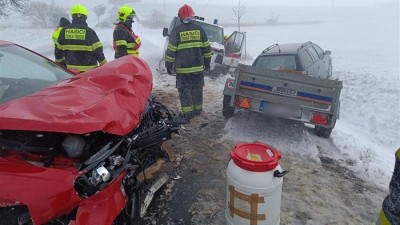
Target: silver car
column 307, row 57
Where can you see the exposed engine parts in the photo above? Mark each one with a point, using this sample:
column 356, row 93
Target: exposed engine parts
column 99, row 159
column 74, row 145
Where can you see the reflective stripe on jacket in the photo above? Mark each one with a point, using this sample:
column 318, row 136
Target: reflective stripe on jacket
column 80, row 47
column 56, row 34
column 188, row 49
column 125, row 42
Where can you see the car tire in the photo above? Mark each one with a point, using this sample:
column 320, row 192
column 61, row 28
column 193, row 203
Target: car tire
column 216, row 72
column 226, row 70
column 123, row 218
column 227, row 109
column 323, row 131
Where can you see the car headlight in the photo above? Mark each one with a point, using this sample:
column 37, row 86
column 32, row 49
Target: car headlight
column 99, row 175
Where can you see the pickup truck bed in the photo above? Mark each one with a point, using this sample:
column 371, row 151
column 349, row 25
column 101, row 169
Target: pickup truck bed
column 285, row 94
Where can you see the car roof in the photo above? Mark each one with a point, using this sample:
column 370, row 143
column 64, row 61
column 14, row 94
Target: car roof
column 290, row 48
column 5, row 43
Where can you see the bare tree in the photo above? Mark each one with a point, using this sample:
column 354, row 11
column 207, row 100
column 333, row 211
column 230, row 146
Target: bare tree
column 45, row 14
column 38, row 12
column 99, row 10
column 156, row 20
column 239, row 10
column 158, row 16
column 11, row 5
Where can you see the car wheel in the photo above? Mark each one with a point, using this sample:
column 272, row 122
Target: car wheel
column 124, row 218
column 227, row 110
column 215, row 72
column 323, row 131
column 226, row 70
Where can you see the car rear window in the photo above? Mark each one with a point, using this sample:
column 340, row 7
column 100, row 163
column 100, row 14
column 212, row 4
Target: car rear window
column 306, row 59
column 319, row 51
column 277, row 62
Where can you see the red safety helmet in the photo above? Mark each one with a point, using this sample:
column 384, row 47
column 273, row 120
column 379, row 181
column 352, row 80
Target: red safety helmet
column 186, row 13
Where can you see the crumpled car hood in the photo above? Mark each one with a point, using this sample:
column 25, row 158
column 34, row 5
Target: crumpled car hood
column 110, row 98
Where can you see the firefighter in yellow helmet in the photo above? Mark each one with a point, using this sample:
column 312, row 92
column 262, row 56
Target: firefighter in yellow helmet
column 78, row 44
column 125, row 41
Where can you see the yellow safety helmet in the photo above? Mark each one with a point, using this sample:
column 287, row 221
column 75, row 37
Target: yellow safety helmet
column 79, row 9
column 125, row 12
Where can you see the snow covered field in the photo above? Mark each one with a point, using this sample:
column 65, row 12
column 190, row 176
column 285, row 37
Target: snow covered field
column 365, row 50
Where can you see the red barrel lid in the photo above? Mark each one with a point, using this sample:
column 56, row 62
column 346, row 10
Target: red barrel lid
column 257, row 157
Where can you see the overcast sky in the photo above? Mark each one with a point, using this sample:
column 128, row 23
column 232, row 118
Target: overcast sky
column 289, row 2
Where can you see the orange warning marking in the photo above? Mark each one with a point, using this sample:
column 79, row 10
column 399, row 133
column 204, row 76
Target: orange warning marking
column 245, row 103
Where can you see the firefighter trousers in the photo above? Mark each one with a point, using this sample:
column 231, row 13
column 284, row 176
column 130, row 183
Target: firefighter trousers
column 190, row 89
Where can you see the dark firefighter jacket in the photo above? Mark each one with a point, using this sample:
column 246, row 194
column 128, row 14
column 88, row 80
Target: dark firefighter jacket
column 80, row 47
column 125, row 41
column 188, row 49
column 390, row 213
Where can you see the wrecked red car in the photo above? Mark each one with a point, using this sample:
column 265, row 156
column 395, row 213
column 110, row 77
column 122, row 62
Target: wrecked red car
column 72, row 147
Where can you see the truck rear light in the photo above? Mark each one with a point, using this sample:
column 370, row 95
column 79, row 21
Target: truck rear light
column 243, row 102
column 320, row 118
column 234, row 55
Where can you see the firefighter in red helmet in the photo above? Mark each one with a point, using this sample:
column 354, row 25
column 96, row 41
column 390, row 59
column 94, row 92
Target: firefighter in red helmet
column 189, row 52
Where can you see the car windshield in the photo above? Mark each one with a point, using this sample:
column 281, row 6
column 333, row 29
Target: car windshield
column 277, row 62
column 214, row 33
column 22, row 72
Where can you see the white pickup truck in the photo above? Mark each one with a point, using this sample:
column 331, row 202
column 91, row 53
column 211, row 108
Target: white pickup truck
column 226, row 52
column 288, row 91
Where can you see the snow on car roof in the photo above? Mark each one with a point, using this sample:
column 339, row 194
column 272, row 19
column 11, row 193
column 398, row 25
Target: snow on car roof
column 290, row 48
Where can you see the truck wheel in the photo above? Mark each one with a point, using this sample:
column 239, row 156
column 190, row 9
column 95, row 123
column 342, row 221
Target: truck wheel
column 227, row 110
column 323, row 131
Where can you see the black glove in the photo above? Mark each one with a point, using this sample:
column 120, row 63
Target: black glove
column 169, row 71
column 207, row 67
column 168, row 66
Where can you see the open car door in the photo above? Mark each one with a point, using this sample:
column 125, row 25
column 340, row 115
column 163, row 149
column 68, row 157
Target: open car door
column 233, row 50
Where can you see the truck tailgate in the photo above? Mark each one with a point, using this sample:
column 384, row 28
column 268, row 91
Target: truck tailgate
column 290, row 89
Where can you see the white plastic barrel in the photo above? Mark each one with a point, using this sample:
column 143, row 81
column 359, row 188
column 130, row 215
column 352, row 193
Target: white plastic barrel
column 254, row 185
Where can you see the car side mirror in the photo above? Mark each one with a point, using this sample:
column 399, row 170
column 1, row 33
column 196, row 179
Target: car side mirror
column 165, row 32
column 328, row 52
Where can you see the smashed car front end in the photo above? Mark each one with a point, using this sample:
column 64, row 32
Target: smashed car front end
column 71, row 153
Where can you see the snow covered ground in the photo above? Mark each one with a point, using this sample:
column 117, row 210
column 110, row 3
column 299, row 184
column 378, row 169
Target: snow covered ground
column 365, row 50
